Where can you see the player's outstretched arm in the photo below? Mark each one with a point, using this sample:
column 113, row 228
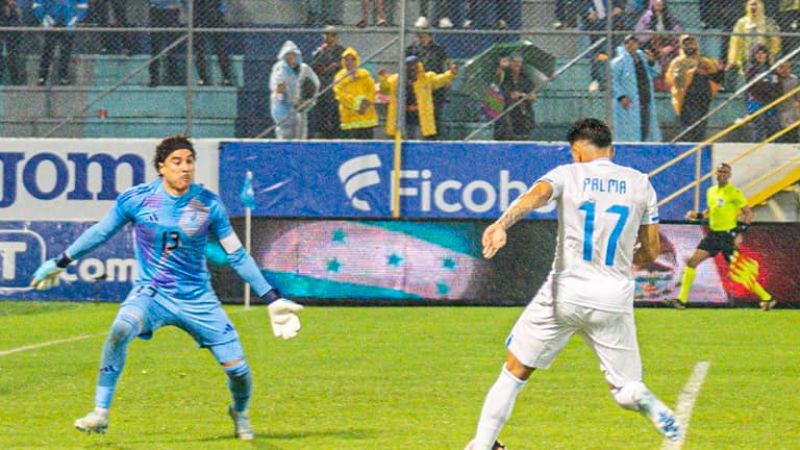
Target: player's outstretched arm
column 494, row 238
column 282, row 312
column 47, row 275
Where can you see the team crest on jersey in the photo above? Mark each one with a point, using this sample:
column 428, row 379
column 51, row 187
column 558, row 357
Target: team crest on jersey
column 720, row 202
column 193, row 217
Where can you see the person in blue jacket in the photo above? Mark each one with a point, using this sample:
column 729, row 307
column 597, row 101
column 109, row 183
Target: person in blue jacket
column 632, row 74
column 62, row 14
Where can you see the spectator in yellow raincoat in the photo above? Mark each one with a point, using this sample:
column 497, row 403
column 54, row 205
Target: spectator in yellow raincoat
column 354, row 88
column 419, row 108
column 754, row 21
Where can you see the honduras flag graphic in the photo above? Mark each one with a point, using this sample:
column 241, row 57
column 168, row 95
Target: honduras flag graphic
column 384, row 260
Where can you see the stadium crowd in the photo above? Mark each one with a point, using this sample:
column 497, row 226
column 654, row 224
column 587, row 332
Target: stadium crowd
column 344, row 100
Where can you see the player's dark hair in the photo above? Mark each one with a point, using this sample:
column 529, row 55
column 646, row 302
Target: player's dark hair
column 592, row 130
column 725, row 165
column 169, row 145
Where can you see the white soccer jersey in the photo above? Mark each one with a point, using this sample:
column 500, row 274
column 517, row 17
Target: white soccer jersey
column 600, row 206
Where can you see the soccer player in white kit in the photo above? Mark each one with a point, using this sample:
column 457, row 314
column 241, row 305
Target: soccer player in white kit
column 603, row 209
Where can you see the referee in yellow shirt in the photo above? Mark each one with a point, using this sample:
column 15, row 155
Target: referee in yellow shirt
column 724, row 201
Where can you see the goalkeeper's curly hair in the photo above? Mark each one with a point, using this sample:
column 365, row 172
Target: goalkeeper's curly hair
column 169, row 145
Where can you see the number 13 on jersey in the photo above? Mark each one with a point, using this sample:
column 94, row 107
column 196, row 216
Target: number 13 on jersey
column 589, row 208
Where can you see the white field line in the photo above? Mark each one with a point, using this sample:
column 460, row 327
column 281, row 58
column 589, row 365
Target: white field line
column 75, row 338
column 48, row 343
column 686, row 399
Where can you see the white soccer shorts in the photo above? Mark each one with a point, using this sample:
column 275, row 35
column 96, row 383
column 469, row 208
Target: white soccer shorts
column 544, row 329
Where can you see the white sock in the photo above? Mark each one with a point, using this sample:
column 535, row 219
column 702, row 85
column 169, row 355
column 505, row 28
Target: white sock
column 635, row 396
column 497, row 409
column 101, row 411
column 660, row 416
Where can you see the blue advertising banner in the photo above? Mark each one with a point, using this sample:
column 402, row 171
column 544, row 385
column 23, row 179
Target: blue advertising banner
column 449, row 180
column 105, row 274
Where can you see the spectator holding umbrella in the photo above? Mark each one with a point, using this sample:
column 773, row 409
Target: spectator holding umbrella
column 517, row 123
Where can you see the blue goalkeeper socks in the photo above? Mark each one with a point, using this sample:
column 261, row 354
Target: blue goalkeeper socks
column 114, row 353
column 240, row 382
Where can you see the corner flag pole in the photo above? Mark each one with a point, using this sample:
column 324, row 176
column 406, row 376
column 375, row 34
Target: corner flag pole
column 248, row 199
column 247, row 245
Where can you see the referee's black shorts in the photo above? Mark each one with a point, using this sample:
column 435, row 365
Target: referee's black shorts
column 719, row 241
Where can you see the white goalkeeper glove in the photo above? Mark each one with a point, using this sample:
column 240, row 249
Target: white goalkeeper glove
column 283, row 315
column 46, row 276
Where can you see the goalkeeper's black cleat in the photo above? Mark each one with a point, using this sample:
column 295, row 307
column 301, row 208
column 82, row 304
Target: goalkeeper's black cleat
column 675, row 303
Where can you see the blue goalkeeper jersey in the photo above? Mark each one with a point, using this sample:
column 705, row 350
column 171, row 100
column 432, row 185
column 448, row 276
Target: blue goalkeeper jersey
column 171, row 235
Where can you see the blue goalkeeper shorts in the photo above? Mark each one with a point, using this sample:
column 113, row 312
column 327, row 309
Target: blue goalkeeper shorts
column 203, row 318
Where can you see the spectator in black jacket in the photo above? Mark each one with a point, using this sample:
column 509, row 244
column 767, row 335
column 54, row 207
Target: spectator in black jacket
column 326, row 62
column 11, row 17
column 434, row 58
column 762, row 93
column 165, row 14
column 101, row 15
column 211, row 14
column 596, row 15
column 494, row 14
column 517, row 124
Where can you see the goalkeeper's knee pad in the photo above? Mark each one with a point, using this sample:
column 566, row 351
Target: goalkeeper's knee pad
column 631, row 395
column 122, row 331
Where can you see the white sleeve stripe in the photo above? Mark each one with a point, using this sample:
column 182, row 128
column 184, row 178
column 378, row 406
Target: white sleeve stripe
column 231, row 243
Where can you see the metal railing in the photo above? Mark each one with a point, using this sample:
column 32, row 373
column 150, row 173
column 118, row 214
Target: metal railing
column 533, row 23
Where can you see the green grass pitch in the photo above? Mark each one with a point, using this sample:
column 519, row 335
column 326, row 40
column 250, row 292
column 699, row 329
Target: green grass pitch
column 393, row 378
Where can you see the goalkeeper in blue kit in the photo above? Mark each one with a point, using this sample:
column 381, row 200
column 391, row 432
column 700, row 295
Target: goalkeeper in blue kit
column 172, row 218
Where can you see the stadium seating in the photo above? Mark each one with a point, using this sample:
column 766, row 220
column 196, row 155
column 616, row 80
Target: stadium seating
column 136, row 110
